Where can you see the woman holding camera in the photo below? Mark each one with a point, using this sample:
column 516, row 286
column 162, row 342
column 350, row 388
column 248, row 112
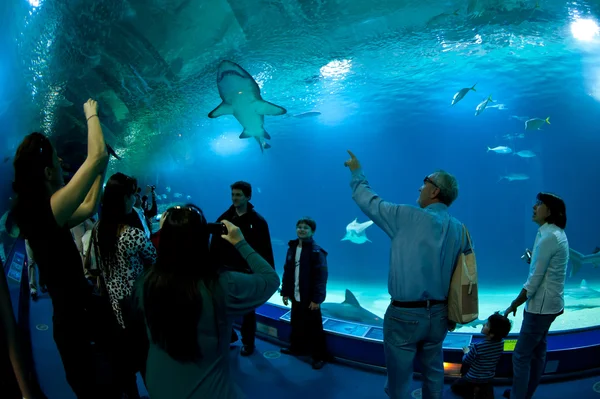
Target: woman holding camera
column 188, row 306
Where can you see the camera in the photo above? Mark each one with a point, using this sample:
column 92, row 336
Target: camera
column 217, row 229
column 527, row 256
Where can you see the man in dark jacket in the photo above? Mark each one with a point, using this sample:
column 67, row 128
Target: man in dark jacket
column 256, row 231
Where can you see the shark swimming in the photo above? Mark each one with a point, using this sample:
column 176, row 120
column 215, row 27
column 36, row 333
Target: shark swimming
column 582, row 292
column 350, row 310
column 475, row 323
column 355, row 232
column 578, row 259
column 241, row 98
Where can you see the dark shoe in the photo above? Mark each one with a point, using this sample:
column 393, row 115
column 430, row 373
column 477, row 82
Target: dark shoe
column 318, row 364
column 506, row 394
column 247, row 350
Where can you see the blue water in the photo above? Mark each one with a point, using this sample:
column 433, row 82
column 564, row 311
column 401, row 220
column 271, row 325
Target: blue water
column 382, row 74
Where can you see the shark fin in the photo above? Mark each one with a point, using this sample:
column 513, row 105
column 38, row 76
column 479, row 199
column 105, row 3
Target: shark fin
column 266, row 135
column 267, row 108
column 596, row 250
column 583, row 284
column 112, row 152
column 351, row 299
column 222, row 109
column 267, row 146
column 245, row 135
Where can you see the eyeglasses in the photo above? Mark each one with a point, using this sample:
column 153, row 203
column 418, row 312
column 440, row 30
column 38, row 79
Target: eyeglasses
column 428, row 180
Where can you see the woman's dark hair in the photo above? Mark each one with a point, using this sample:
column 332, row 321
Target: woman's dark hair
column 557, row 207
column 113, row 215
column 34, row 155
column 499, row 326
column 172, row 303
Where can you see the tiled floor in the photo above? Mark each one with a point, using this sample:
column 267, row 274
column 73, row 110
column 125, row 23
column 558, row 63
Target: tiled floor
column 267, row 374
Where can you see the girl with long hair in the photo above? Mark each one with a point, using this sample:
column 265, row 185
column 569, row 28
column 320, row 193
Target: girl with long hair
column 188, row 306
column 44, row 211
column 123, row 252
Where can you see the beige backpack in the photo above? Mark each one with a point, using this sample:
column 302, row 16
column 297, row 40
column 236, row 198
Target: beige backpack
column 463, row 298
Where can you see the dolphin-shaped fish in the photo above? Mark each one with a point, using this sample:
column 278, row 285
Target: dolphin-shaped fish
column 355, row 232
column 241, row 98
column 350, row 310
column 578, row 259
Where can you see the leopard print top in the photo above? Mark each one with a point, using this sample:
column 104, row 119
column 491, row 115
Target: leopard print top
column 134, row 252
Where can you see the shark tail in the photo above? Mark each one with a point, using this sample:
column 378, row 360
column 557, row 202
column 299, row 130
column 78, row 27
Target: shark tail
column 473, row 88
column 576, row 261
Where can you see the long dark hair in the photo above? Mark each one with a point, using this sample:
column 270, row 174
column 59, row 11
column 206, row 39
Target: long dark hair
column 34, row 155
column 112, row 216
column 172, row 303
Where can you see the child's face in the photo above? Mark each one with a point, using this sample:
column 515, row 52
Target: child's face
column 303, row 231
column 485, row 330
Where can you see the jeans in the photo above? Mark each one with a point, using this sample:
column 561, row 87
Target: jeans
column 529, row 357
column 410, row 333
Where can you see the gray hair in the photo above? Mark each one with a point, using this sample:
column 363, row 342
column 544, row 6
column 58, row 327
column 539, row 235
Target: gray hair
column 448, row 186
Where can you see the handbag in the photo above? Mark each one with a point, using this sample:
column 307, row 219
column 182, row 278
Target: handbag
column 463, row 297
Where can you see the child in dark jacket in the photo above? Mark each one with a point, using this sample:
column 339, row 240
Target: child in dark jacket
column 304, row 283
column 481, row 358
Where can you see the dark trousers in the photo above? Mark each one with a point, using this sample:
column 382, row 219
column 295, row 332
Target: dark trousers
column 248, row 330
column 95, row 353
column 86, row 366
column 472, row 390
column 307, row 331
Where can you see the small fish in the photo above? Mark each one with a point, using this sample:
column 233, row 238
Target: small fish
column 514, row 136
column 482, row 105
column 498, row 106
column 168, row 188
column 525, row 154
column 500, row 149
column 309, row 114
column 536, row 123
column 462, row 93
column 164, row 196
column 514, row 177
column 519, row 118
column 177, row 195
column 188, row 197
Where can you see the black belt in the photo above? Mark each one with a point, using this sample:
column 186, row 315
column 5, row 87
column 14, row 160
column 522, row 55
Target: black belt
column 419, row 304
